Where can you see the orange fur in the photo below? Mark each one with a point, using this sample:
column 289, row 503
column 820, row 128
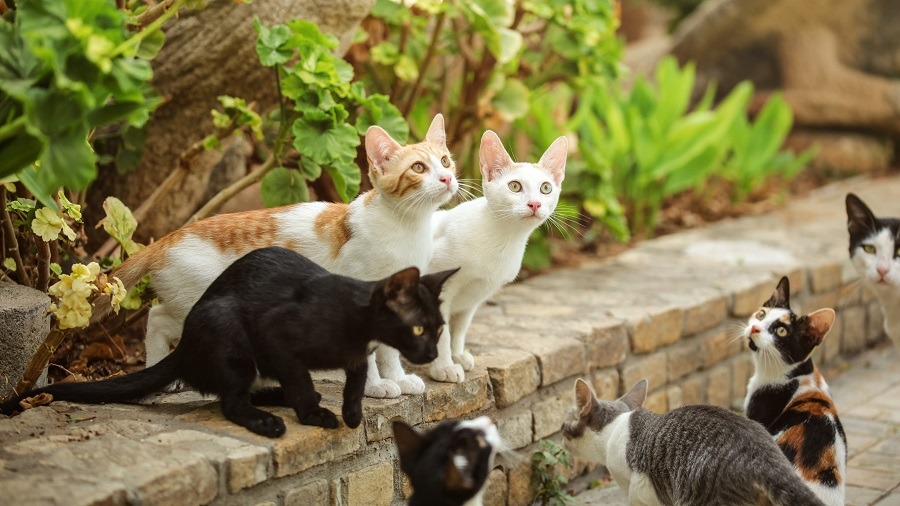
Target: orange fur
column 399, row 179
column 331, row 226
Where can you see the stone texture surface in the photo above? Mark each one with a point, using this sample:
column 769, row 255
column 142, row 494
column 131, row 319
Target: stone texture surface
column 24, row 323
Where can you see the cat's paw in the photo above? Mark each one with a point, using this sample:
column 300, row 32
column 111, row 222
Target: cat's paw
column 411, row 384
column 269, row 426
column 178, row 386
column 382, row 388
column 450, row 373
column 465, row 359
column 352, row 414
column 320, row 417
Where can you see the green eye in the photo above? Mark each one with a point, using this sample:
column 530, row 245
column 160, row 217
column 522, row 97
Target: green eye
column 418, row 167
column 515, row 186
column 546, row 188
column 761, row 314
column 868, row 248
column 445, row 161
column 781, row 331
column 418, row 330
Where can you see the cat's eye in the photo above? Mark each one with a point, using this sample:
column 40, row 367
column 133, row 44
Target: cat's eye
column 781, row 331
column 445, row 161
column 868, row 248
column 440, row 330
column 418, row 167
column 418, row 330
column 898, row 252
column 546, row 188
column 515, row 186
column 761, row 314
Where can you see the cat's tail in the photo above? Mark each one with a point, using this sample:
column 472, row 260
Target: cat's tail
column 146, row 261
column 119, row 389
column 784, row 487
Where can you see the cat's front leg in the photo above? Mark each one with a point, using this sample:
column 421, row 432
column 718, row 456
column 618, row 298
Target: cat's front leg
column 301, row 394
column 376, row 386
column 354, row 389
column 443, row 368
column 390, row 367
column 459, row 323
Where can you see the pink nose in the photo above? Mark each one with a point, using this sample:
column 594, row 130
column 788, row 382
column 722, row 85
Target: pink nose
column 755, row 330
column 882, row 271
column 446, row 180
column 534, row 205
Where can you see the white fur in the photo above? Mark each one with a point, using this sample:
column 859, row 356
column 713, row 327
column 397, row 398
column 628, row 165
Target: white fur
column 492, row 435
column 387, row 235
column 886, row 287
column 486, row 239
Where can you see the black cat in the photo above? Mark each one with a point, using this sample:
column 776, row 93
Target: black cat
column 448, row 465
column 275, row 314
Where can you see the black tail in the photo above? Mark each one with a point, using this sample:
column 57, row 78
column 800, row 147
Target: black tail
column 120, row 389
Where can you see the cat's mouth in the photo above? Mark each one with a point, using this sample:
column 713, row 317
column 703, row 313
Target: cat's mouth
column 753, row 345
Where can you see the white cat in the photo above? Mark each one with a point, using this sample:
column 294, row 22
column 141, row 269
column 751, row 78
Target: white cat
column 486, row 238
column 379, row 233
column 875, row 253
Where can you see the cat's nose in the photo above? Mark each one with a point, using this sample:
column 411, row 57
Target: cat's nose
column 882, row 271
column 447, row 180
column 534, row 205
column 755, row 330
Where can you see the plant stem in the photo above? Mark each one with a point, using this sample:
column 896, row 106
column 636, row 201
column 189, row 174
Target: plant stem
column 148, row 22
column 429, row 55
column 10, row 231
column 43, row 280
column 39, row 361
column 228, row 193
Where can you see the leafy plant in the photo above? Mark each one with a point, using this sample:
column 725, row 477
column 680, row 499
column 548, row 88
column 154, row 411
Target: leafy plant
column 547, row 473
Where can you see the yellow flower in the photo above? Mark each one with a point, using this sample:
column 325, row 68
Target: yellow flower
column 72, row 291
column 47, row 224
column 71, row 317
column 116, row 291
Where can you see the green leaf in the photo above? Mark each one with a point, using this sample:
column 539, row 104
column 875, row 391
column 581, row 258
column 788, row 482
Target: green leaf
column 21, row 205
column 509, row 44
column 391, row 12
column 378, row 110
column 151, row 45
column 385, row 53
column 324, row 141
column 120, row 224
column 406, row 68
column 56, row 269
column 512, row 101
column 9, row 264
column 272, row 44
column 211, row 142
column 346, row 176
column 282, row 187
column 308, row 32
column 310, row 169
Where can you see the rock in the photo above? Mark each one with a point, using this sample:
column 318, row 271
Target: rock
column 24, row 323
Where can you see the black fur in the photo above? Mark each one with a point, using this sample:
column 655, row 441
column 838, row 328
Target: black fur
column 277, row 313
column 862, row 223
column 428, row 461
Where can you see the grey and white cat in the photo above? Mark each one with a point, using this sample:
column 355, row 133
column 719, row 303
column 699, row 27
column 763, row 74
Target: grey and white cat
column 875, row 253
column 691, row 455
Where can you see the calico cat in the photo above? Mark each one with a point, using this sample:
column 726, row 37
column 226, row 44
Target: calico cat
column 692, row 455
column 875, row 252
column 789, row 397
column 276, row 314
column 487, row 237
column 379, row 233
column 448, row 465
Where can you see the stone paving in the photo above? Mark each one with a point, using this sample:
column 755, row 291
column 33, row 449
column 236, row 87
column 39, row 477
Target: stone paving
column 665, row 310
column 866, row 389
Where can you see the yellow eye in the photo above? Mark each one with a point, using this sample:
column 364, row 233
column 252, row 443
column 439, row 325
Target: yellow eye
column 445, row 161
column 418, row 167
column 440, row 330
column 868, row 248
column 546, row 188
column 761, row 314
column 515, row 186
column 418, row 330
column 781, row 331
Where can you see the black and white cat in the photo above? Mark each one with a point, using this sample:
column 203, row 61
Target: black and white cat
column 448, row 465
column 690, row 455
column 274, row 314
column 875, row 252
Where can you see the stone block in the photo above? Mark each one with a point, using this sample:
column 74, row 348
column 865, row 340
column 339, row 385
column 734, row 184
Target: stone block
column 650, row 329
column 521, row 490
column 607, row 346
column 825, row 276
column 551, row 407
column 747, row 297
column 718, row 386
column 693, row 389
column 513, row 373
column 371, row 486
column 606, row 383
column 674, row 397
column 874, row 322
column 828, row 299
column 496, row 489
column 559, row 354
column 515, row 426
column 454, row 400
column 850, row 294
column 651, row 367
column 657, row 401
column 854, row 329
column 705, row 314
column 867, row 295
column 24, row 323
column 684, row 358
column 831, row 346
column 378, row 413
column 742, row 369
column 310, row 494
column 717, row 345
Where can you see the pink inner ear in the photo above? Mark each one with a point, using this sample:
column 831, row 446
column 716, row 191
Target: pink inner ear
column 554, row 160
column 380, row 147
column 493, row 156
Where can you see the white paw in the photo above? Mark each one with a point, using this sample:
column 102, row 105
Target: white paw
column 175, row 386
column 382, row 388
column 451, row 373
column 465, row 359
column 411, row 384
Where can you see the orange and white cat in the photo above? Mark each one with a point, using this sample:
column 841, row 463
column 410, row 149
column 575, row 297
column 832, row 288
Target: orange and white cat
column 382, row 231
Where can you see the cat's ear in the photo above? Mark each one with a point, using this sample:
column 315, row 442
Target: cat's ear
column 818, row 324
column 380, row 147
column 584, row 398
column 409, row 442
column 554, row 160
column 636, row 396
column 860, row 219
column 493, row 156
column 435, row 282
column 436, row 133
column 400, row 289
column 781, row 297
